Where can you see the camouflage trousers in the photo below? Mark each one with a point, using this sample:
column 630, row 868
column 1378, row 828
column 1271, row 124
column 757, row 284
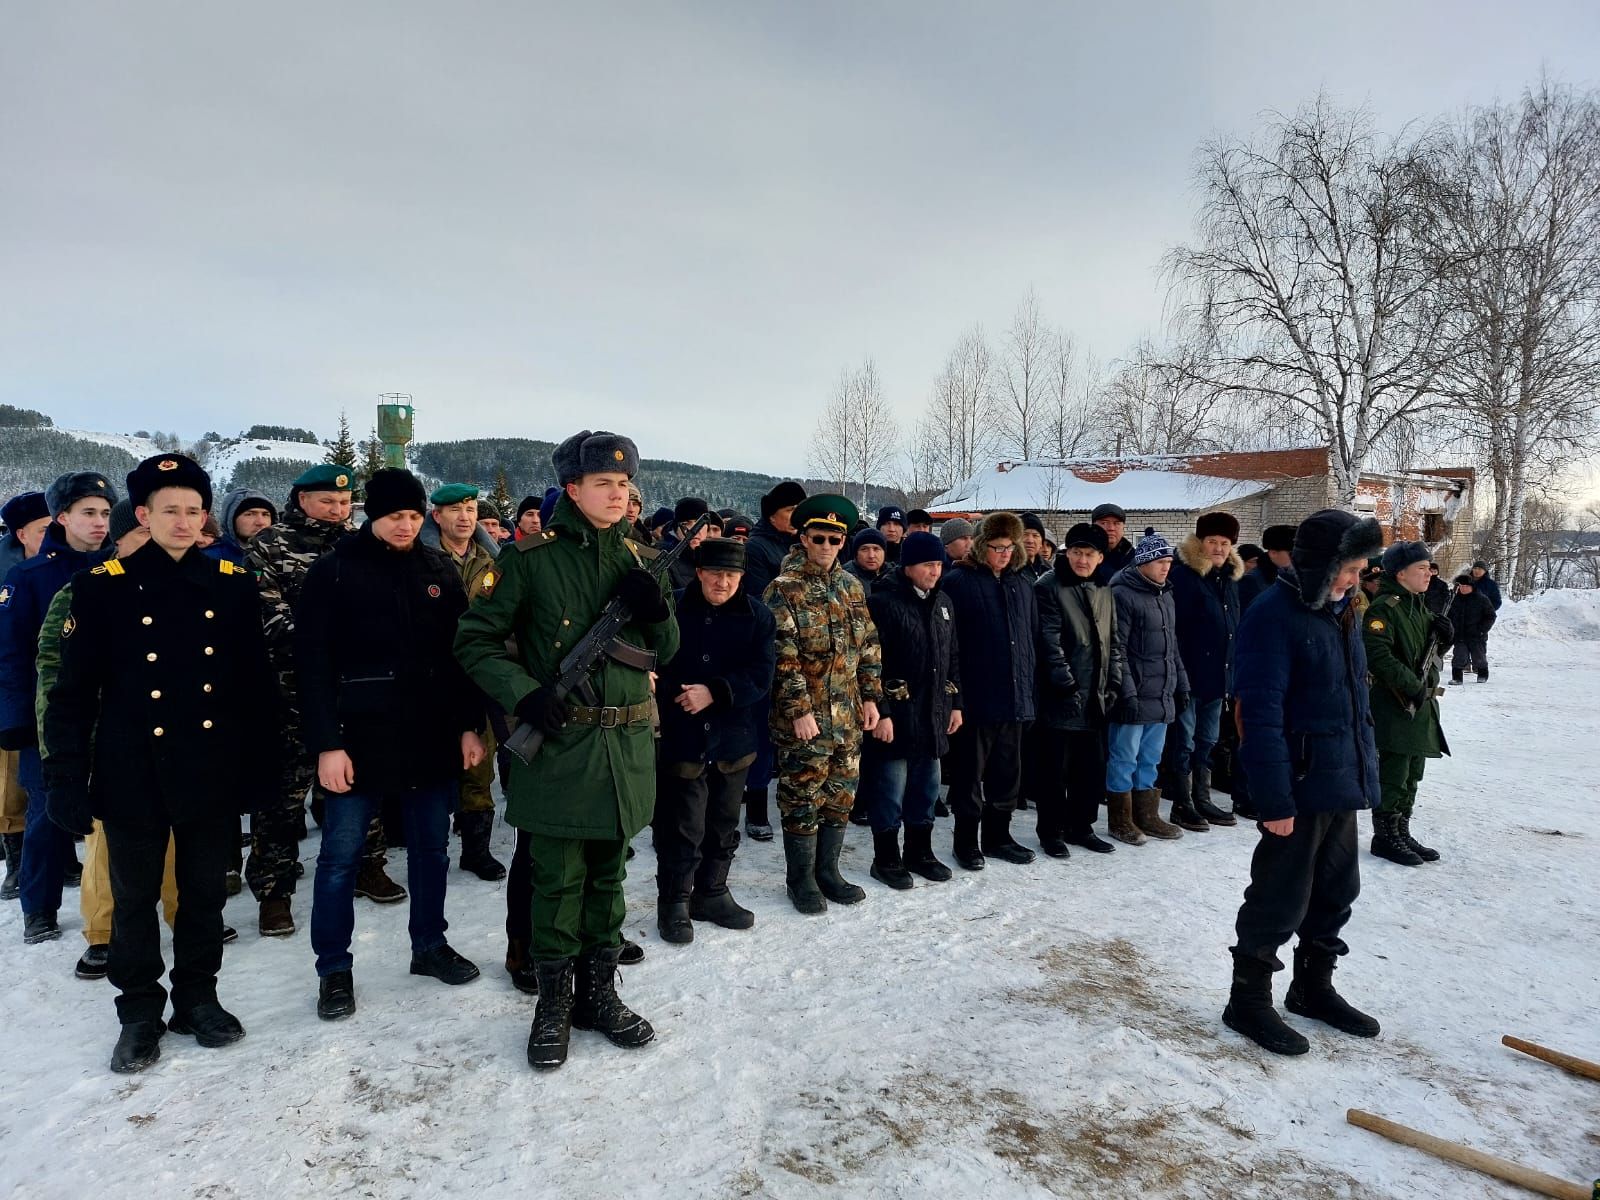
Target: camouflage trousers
column 817, row 780
column 275, row 831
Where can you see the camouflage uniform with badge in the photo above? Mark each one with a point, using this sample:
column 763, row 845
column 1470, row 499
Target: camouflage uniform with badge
column 824, row 698
column 280, row 556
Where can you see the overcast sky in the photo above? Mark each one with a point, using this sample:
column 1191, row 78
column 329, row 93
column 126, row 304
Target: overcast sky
column 675, row 220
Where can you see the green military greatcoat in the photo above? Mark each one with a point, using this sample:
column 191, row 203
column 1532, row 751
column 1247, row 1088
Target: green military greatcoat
column 587, row 782
column 1396, row 629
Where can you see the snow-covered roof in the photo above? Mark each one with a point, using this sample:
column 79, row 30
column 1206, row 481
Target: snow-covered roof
column 1074, row 487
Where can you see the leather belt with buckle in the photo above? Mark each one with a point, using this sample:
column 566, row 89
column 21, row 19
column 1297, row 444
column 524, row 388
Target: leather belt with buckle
column 609, row 717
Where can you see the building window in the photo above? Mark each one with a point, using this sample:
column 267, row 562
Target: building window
column 1434, row 528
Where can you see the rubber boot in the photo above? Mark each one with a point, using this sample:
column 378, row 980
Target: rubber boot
column 552, row 1018
column 596, row 1005
column 1147, row 816
column 1387, row 843
column 1250, row 1010
column 1311, row 994
column 672, row 919
column 997, row 841
column 887, row 866
column 830, row 841
column 800, row 880
column 1119, row 819
column 476, row 828
column 1200, row 798
column 919, row 856
column 1183, row 813
column 1426, row 853
column 712, row 901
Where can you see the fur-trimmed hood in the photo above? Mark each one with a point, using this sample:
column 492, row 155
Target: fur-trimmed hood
column 998, row 525
column 1324, row 541
column 1192, row 554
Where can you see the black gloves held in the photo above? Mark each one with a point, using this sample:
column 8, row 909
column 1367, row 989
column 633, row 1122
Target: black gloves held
column 71, row 812
column 544, row 710
column 19, row 738
column 643, row 596
column 1074, row 707
column 1181, row 699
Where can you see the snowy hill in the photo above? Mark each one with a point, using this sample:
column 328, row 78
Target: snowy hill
column 140, row 447
column 229, row 455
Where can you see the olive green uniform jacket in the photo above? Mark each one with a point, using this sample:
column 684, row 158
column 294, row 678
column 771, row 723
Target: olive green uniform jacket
column 1396, row 628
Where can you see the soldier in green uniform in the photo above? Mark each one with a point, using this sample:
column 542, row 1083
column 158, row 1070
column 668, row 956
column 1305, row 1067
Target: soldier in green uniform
column 824, row 698
column 592, row 786
column 452, row 528
column 1405, row 645
column 317, row 517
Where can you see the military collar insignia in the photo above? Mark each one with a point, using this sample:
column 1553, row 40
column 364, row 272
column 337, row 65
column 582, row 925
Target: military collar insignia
column 167, row 464
column 67, row 627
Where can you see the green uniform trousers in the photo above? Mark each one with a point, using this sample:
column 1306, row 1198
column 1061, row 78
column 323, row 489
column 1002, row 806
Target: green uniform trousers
column 476, row 784
column 577, row 894
column 1398, row 777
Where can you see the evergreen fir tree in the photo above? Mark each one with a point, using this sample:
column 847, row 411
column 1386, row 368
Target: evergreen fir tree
column 500, row 494
column 372, row 457
column 342, row 450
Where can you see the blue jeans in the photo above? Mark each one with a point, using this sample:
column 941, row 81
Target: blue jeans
column 46, row 846
column 1134, row 755
column 344, row 839
column 1199, row 725
column 896, row 787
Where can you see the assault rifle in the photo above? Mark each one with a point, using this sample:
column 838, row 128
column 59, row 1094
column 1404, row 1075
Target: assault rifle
column 601, row 642
column 1432, row 665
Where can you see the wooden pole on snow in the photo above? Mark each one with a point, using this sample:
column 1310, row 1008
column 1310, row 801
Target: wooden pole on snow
column 1567, row 1062
column 1477, row 1160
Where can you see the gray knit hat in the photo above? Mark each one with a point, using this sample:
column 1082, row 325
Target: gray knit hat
column 956, row 527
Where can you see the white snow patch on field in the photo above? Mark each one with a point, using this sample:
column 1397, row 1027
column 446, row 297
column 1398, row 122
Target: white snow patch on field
column 1049, row 1030
column 222, row 461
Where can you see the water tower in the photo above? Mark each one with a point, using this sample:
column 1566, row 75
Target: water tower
column 395, row 426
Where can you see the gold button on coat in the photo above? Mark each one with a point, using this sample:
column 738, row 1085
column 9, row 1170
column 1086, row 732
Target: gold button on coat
column 208, row 687
column 149, row 621
column 158, row 731
column 151, row 657
column 209, row 650
column 156, row 695
column 209, row 614
column 205, row 724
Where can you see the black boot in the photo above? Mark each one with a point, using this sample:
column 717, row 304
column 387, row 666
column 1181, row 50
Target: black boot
column 712, row 901
column 1089, row 840
column 830, row 841
column 858, row 812
column 1311, row 995
column 95, row 963
column 800, row 854
column 336, row 996
column 919, row 856
column 445, row 965
column 1426, row 853
column 1250, row 1010
column 476, row 828
column 552, row 1018
column 1387, row 843
column 13, row 850
column 597, row 1006
column 968, row 856
column 209, row 1023
column 1200, row 799
column 39, row 927
column 138, row 1046
column 672, row 919
column 887, row 867
column 997, row 840
column 520, row 967
column 757, row 826
column 72, row 874
column 1183, row 813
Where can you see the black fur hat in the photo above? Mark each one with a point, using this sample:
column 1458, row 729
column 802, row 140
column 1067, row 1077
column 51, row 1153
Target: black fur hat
column 785, row 495
column 1277, row 537
column 168, row 470
column 594, row 452
column 68, row 489
column 1324, row 542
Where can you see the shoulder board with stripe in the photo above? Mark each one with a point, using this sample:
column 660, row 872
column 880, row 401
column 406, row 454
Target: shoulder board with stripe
column 109, row 567
column 1391, row 600
column 534, row 541
column 228, row 567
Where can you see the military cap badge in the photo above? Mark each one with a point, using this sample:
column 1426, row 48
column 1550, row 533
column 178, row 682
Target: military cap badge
column 341, row 481
column 167, row 464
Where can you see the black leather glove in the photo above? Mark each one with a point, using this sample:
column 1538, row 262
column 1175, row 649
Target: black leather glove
column 1125, row 712
column 544, row 710
column 643, row 596
column 71, row 811
column 1074, row 707
column 1181, row 699
column 1061, row 678
column 1443, row 631
column 20, row 738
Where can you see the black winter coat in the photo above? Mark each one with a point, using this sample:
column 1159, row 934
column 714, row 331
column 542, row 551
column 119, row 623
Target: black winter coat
column 764, row 553
column 1119, row 556
column 1438, row 596
column 1256, row 581
column 1147, row 631
column 731, row 649
column 374, row 630
column 165, row 707
column 870, row 581
column 1303, row 706
column 1471, row 615
column 1080, row 661
column 1206, row 600
column 921, row 668
column 997, row 620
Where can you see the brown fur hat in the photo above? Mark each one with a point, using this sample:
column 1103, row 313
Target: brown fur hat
column 998, row 526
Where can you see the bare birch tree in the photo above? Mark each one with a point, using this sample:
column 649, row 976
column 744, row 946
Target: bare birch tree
column 1022, row 388
column 855, row 443
column 958, row 425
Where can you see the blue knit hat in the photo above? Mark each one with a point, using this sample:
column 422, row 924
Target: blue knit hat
column 1152, row 546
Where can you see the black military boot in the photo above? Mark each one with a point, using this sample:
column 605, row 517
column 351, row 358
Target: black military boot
column 887, row 867
column 336, row 996
column 672, row 918
column 597, row 1006
column 138, row 1046
column 1387, row 843
column 1200, row 799
column 13, row 850
column 476, row 828
column 1311, row 995
column 1426, row 853
column 444, row 964
column 712, row 901
column 1183, row 812
column 1250, row 1010
column 520, row 967
column 919, row 856
column 209, row 1023
column 997, row 842
column 552, row 1018
column 757, row 825
column 95, row 963
column 800, row 854
column 39, row 927
column 72, row 873
column 830, row 841
column 965, row 844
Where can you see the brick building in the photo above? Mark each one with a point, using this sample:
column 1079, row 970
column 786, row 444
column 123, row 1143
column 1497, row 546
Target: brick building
column 1259, row 487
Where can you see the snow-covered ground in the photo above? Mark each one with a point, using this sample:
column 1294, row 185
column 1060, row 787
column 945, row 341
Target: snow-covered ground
column 140, row 447
column 1047, row 1030
column 222, row 461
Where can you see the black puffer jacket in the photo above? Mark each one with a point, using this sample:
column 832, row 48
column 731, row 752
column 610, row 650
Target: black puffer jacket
column 374, row 630
column 921, row 668
column 997, row 619
column 1080, row 660
column 1119, row 556
column 1256, row 581
column 731, row 649
column 764, row 552
column 1471, row 615
column 1147, row 630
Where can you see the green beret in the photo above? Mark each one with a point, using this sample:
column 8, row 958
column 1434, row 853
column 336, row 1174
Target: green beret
column 452, row 493
column 834, row 511
column 325, row 477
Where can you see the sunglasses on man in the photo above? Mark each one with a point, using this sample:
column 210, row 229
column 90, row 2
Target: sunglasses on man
column 825, row 539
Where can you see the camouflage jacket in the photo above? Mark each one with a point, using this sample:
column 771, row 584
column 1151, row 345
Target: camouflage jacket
column 828, row 658
column 280, row 556
column 49, row 660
